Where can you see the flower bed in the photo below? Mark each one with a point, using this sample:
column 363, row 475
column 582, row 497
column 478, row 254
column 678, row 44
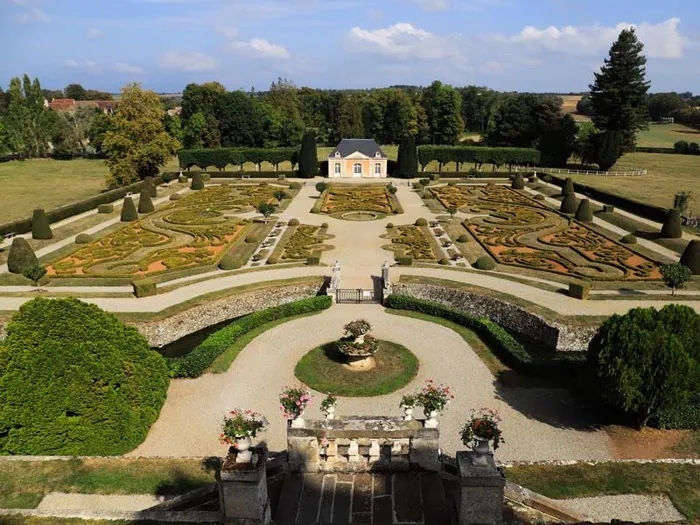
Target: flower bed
column 411, row 241
column 359, row 198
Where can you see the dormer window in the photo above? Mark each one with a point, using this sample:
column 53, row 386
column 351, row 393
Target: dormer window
column 337, row 154
column 377, row 154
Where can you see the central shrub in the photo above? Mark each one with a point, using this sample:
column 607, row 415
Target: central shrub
column 74, row 380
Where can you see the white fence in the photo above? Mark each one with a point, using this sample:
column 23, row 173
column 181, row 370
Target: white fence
column 558, row 171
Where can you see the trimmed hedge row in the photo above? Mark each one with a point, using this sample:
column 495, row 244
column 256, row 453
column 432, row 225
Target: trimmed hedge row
column 222, row 157
column 498, row 338
column 477, row 154
column 252, row 174
column 198, row 360
column 684, row 417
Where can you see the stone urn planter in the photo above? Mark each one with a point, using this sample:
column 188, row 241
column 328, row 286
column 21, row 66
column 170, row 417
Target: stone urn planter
column 358, row 346
column 298, row 421
column 330, row 412
column 430, row 419
column 243, row 447
column 481, row 451
column 408, row 413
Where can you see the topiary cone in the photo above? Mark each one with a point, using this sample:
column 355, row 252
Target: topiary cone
column 584, row 212
column 40, row 225
column 145, row 202
column 568, row 205
column 149, row 183
column 129, row 213
column 672, row 228
column 691, row 257
column 518, row 182
column 21, row 256
column 568, row 187
column 197, row 181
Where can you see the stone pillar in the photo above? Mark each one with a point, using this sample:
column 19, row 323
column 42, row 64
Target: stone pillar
column 386, row 281
column 482, row 491
column 243, row 490
column 425, row 449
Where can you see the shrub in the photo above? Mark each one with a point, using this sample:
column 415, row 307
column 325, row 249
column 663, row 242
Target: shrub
column 421, row 222
column 691, row 257
column 182, row 179
column 101, row 385
column 34, row 273
column 198, row 360
column 681, row 147
column 629, row 239
column 230, row 261
column 40, row 225
column 293, row 222
column 391, row 189
column 608, row 208
column 321, row 187
column 21, row 256
column 444, row 261
column 145, row 202
column 484, row 263
column 518, row 182
column 273, row 259
column 547, row 178
column 539, row 197
column 675, row 276
column 176, row 197
column 646, row 361
column 452, row 184
column 683, row 416
column 252, row 239
column 149, row 186
column 105, row 208
column 404, row 260
column 84, row 238
column 129, row 213
column 568, row 187
column 672, row 228
column 308, row 157
column 569, row 204
column 463, row 238
column 324, row 226
column 390, row 226
column 144, row 287
column 206, row 177
column 584, row 212
column 295, row 186
column 313, row 260
column 579, row 290
column 197, row 181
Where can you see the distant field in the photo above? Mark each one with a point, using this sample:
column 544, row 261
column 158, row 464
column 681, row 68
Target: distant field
column 666, row 135
column 569, row 106
column 668, row 174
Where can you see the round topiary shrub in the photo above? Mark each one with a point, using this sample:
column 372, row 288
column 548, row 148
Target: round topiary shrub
column 295, row 186
column 197, row 181
column 84, row 238
column 321, row 187
column 444, row 261
column 568, row 187
column 87, row 386
column 252, row 239
column 182, row 179
column 129, row 213
column 539, row 197
column 691, row 257
column 584, row 213
column 518, row 182
column 145, row 202
column 452, row 184
column 324, row 225
column 175, row 197
column 463, row 238
column 40, row 225
column 230, row 262
column 628, row 239
column 390, row 226
column 672, row 228
column 21, row 257
column 421, row 222
column 293, row 222
column 484, row 263
column 646, row 361
column 569, row 204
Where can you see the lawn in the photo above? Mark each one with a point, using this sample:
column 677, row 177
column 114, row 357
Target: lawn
column 667, row 175
column 666, row 135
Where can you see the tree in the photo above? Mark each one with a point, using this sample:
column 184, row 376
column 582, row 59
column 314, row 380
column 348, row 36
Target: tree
column 91, row 386
column 664, row 104
column 308, row 157
column 266, row 209
column 21, row 256
column 647, row 360
column 585, row 106
column 99, row 127
column 29, row 124
column 443, row 107
column 34, row 273
column 321, row 187
column 347, row 121
column 407, row 160
column 558, row 140
column 619, row 92
column 675, row 275
column 478, row 106
column 139, row 145
column 173, row 125
column 452, row 211
column 283, row 97
column 280, row 195
column 193, row 133
column 681, row 200
column 239, row 120
column 605, row 148
column 75, row 91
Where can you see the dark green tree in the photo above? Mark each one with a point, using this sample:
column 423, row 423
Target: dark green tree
column 557, row 140
column 407, row 160
column 21, row 256
column 664, row 104
column 605, row 148
column 34, row 273
column 647, row 360
column 101, row 386
column 675, row 276
column 619, row 92
column 266, row 209
column 75, row 91
column 308, row 157
column 443, row 107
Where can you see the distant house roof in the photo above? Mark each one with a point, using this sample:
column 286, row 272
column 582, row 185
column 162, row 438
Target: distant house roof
column 58, row 104
column 66, row 104
column 367, row 147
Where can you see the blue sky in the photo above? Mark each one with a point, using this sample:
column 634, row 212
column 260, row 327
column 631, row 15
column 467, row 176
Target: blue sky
column 524, row 45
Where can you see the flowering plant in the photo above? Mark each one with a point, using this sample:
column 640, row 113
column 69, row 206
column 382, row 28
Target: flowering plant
column 434, row 398
column 409, row 401
column 483, row 425
column 293, row 401
column 239, row 424
column 328, row 402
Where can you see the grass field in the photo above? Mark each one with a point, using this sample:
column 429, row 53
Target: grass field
column 666, row 135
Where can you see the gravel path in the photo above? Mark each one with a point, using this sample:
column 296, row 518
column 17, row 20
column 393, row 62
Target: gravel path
column 70, row 501
column 538, row 424
column 627, row 507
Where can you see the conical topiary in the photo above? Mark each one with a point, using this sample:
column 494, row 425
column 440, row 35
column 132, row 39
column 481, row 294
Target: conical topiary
column 568, row 187
column 145, row 202
column 569, row 204
column 40, row 225
column 21, row 256
column 197, row 181
column 584, row 212
column 518, row 182
column 129, row 212
column 149, row 183
column 672, row 228
column 691, row 257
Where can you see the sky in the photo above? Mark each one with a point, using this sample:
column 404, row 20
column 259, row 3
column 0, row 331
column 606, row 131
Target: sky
column 510, row 45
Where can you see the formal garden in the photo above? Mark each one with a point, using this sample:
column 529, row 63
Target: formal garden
column 358, row 202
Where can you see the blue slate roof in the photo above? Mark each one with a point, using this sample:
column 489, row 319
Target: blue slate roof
column 367, row 147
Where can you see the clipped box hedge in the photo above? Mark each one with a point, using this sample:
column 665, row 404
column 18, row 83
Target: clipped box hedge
column 144, row 288
column 198, row 360
column 579, row 290
column 683, row 417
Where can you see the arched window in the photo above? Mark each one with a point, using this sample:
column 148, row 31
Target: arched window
column 357, row 168
column 337, row 168
column 377, row 169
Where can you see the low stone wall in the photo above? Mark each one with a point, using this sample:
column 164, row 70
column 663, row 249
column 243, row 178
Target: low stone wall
column 165, row 331
column 559, row 336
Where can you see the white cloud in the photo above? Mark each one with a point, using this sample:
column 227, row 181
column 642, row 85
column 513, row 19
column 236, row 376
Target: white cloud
column 33, row 15
column 121, row 67
column 94, row 33
column 87, row 65
column 259, row 48
column 403, row 41
column 190, row 62
column 228, row 32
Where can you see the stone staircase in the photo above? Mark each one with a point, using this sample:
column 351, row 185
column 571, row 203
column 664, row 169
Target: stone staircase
column 363, row 498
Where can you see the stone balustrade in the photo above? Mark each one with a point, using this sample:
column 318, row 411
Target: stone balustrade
column 362, row 444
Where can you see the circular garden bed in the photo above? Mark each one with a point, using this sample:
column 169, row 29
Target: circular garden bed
column 325, row 370
column 359, row 215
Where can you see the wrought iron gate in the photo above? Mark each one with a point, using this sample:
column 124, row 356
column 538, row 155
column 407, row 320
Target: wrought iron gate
column 356, row 296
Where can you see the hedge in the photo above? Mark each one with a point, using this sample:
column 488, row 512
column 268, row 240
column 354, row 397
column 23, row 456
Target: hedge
column 504, row 345
column 477, row 155
column 685, row 416
column 198, row 360
column 222, row 157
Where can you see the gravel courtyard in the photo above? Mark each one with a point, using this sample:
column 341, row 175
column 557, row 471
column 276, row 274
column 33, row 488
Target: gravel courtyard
column 538, row 424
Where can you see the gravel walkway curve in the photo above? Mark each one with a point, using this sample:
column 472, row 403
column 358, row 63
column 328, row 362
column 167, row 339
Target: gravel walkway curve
column 626, row 507
column 538, row 424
